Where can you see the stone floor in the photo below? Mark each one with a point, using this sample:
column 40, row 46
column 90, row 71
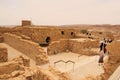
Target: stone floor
column 84, row 65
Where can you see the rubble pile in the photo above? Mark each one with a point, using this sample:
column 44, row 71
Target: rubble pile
column 19, row 69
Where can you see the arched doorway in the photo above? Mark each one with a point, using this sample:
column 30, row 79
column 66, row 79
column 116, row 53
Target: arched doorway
column 62, row 32
column 46, row 42
column 48, row 39
column 72, row 33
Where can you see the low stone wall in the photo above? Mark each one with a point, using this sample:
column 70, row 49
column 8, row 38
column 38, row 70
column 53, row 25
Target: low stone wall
column 3, row 54
column 9, row 67
column 25, row 61
column 57, row 47
column 82, row 47
column 36, row 73
column 27, row 47
column 73, row 46
column 41, row 59
column 17, row 70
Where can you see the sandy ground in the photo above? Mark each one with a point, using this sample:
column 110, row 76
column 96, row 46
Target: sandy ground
column 84, row 65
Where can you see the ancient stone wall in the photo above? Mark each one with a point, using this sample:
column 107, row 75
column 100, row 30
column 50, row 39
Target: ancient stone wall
column 83, row 47
column 3, row 54
column 36, row 73
column 57, row 47
column 80, row 47
column 40, row 34
column 16, row 70
column 13, row 30
column 102, row 34
column 113, row 60
column 25, row 61
column 1, row 39
column 9, row 67
column 27, row 47
column 27, row 31
column 26, row 23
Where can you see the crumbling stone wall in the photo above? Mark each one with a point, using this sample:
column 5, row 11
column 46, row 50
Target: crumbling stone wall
column 3, row 54
column 76, row 45
column 102, row 34
column 36, row 73
column 9, row 67
column 80, row 47
column 57, row 47
column 41, row 59
column 27, row 47
column 113, row 60
column 16, row 70
column 22, row 60
column 16, row 64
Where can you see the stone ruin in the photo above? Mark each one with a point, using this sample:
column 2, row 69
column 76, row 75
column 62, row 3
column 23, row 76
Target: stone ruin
column 3, row 54
column 29, row 48
column 26, row 39
column 110, row 65
column 41, row 59
column 18, row 69
column 26, row 23
column 83, row 47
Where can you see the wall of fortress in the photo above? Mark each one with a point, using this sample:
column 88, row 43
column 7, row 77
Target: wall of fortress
column 57, row 47
column 27, row 47
column 76, row 46
column 14, row 30
column 73, row 46
column 39, row 34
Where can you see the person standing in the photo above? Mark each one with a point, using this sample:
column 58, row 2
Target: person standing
column 101, row 59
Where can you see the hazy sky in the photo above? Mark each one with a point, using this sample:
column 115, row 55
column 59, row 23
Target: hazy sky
column 60, row 12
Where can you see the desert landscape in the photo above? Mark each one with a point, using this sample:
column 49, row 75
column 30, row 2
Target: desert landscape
column 67, row 52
